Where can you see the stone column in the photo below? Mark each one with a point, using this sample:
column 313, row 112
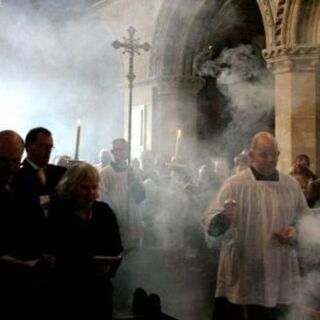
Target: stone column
column 297, row 103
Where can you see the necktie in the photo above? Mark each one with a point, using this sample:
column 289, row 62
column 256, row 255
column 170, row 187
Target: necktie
column 42, row 176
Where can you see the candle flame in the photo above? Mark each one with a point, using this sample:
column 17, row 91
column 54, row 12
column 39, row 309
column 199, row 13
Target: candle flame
column 78, row 123
column 178, row 134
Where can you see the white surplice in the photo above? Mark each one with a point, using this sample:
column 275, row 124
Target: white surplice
column 114, row 191
column 254, row 268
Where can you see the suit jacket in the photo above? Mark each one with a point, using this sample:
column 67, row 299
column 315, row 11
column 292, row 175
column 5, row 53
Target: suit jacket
column 28, row 190
column 8, row 212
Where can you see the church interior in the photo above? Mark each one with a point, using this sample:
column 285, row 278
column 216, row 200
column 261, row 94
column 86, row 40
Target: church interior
column 204, row 76
column 179, row 84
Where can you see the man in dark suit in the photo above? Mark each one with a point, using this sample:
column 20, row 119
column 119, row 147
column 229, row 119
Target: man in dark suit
column 34, row 186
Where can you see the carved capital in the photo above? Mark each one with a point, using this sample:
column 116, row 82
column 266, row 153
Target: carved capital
column 294, row 58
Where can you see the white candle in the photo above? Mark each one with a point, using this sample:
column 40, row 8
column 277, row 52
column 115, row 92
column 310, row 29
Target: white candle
column 177, row 142
column 76, row 154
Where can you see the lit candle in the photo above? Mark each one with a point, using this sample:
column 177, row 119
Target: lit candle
column 76, row 154
column 177, row 142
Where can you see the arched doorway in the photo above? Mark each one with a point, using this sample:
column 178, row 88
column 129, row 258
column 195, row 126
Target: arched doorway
column 236, row 99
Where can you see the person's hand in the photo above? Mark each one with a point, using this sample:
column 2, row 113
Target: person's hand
column 229, row 209
column 287, row 234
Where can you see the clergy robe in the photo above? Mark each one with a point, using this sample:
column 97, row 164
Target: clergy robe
column 254, row 268
column 120, row 195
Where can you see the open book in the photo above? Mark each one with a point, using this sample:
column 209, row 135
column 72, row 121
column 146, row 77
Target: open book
column 26, row 263
column 108, row 258
column 114, row 258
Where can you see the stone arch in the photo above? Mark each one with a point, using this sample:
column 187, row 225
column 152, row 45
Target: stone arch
column 183, row 29
column 297, row 22
column 213, row 26
column 308, row 21
column 169, row 37
column 292, row 53
column 268, row 21
column 221, row 25
column 291, row 22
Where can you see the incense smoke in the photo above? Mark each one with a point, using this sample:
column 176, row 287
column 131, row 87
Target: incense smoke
column 248, row 86
column 58, row 66
column 309, row 248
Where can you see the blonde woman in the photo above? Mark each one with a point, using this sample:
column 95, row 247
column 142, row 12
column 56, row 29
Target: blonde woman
column 82, row 231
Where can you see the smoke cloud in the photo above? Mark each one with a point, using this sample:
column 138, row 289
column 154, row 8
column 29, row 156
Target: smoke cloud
column 58, row 66
column 309, row 238
column 309, row 243
column 248, row 86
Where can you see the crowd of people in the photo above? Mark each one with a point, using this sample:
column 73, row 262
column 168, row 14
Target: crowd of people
column 56, row 236
column 66, row 228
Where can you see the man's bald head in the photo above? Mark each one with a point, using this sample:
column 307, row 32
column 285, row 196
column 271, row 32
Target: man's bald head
column 11, row 149
column 262, row 138
column 264, row 153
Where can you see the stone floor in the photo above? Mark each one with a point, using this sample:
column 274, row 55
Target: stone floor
column 185, row 285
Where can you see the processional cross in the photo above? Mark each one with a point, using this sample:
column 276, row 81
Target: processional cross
column 131, row 46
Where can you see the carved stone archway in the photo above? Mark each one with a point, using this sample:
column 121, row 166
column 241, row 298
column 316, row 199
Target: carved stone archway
column 293, row 53
column 174, row 91
column 178, row 38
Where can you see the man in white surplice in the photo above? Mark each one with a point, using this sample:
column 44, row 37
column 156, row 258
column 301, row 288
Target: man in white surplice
column 258, row 275
column 121, row 189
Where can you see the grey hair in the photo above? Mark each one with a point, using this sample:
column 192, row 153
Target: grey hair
column 75, row 175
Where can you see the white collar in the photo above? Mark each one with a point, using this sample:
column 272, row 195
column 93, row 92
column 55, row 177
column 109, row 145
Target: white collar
column 33, row 165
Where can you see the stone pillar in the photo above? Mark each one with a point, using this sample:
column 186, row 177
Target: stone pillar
column 297, row 108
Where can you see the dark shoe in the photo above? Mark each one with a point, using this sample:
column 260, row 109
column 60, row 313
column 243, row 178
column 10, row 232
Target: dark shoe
column 139, row 304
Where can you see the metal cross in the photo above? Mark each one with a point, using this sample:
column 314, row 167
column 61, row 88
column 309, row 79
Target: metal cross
column 131, row 46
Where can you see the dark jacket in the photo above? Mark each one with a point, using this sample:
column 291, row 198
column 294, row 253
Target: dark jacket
column 76, row 242
column 28, row 190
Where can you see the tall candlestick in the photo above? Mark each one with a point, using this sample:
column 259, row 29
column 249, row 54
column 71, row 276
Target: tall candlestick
column 76, row 154
column 177, row 142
